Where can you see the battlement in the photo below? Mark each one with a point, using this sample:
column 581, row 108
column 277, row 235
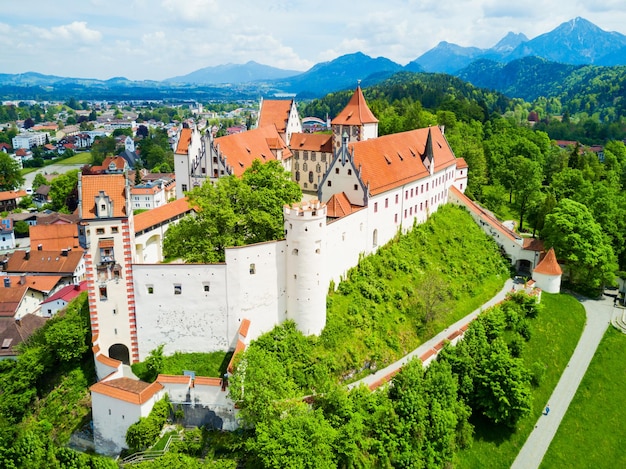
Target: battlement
column 308, row 209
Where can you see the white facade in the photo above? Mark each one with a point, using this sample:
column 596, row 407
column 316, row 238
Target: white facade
column 29, row 139
column 548, row 283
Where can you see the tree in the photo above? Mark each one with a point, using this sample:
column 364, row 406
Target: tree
column 10, row 176
column 101, row 148
column 579, row 240
column 154, row 362
column 39, row 180
column 63, row 191
column 29, row 123
column 233, row 212
column 526, row 184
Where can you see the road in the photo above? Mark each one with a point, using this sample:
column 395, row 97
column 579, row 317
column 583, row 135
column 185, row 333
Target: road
column 53, row 168
column 598, row 319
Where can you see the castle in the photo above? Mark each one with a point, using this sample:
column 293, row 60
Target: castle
column 370, row 189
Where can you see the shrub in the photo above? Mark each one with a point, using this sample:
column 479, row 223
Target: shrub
column 144, row 433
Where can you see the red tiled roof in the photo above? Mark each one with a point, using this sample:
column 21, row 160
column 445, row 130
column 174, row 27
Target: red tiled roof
column 312, row 142
column 13, row 333
column 10, row 298
column 174, row 379
column 113, row 185
column 356, row 111
column 461, row 163
column 549, row 265
column 145, row 220
column 68, row 293
column 108, row 361
column 394, row 160
column 183, row 141
column 238, row 350
column 118, row 162
column 54, row 237
column 240, row 150
column 276, row 112
column 127, row 389
column 533, row 244
column 339, row 206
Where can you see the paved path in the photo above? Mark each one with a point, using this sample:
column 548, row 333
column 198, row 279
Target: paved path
column 599, row 314
column 51, row 169
column 429, row 344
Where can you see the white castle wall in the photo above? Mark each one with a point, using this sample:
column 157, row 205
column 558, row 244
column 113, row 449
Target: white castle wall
column 346, row 239
column 194, row 320
column 256, row 287
column 548, row 283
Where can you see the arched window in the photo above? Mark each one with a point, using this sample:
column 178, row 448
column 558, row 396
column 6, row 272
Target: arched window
column 297, row 176
column 375, row 238
column 310, row 176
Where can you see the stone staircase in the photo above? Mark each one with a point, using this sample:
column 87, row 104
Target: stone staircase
column 619, row 318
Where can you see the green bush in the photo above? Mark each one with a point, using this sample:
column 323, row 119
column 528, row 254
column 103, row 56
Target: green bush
column 145, row 432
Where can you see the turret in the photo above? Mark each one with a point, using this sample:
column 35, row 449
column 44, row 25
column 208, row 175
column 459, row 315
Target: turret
column 307, row 283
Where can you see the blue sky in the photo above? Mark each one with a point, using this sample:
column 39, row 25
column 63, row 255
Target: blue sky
column 157, row 39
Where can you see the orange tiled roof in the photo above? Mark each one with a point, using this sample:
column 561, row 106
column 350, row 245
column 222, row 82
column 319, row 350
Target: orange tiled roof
column 207, row 381
column 244, row 327
column 312, row 142
column 42, row 283
column 146, row 190
column 240, row 150
column 44, row 262
column 494, row 222
column 118, row 162
column 461, row 163
column 549, row 265
column 339, row 206
column 174, row 379
column 356, row 111
column 394, row 160
column 10, row 195
column 238, row 350
column 533, row 244
column 183, row 141
column 127, row 389
column 108, row 361
column 54, row 237
column 113, row 185
column 145, row 220
column 276, row 112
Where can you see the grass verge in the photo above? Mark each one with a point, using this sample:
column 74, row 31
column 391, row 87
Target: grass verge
column 555, row 333
column 592, row 431
column 203, row 364
column 79, row 158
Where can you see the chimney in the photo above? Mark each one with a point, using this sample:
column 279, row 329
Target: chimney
column 40, row 247
column 22, row 279
column 7, row 282
column 26, row 255
column 64, row 252
column 77, row 286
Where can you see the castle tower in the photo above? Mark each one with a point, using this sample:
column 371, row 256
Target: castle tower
column 307, row 282
column 355, row 120
column 106, row 232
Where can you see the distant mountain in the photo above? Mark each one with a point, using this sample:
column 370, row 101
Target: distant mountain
column 446, row 57
column 234, row 74
column 577, row 41
column 339, row 74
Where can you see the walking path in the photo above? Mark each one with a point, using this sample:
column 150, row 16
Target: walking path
column 599, row 313
column 431, row 343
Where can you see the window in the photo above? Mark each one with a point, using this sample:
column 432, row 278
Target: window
column 318, row 169
column 311, row 176
column 386, row 203
column 252, row 269
column 150, row 289
column 297, row 166
column 356, row 187
column 297, row 176
column 99, row 231
column 349, row 172
column 114, row 229
column 206, row 287
column 395, row 218
column 305, row 167
column 184, row 187
column 312, row 156
column 103, row 292
column 375, row 238
column 422, row 189
column 375, row 207
column 396, row 198
column 178, row 289
column 103, row 207
column 336, row 170
column 306, row 155
column 114, row 311
column 405, row 213
column 411, row 192
column 330, row 183
column 294, row 252
column 323, row 158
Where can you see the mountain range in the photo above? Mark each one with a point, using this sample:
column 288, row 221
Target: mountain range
column 572, row 44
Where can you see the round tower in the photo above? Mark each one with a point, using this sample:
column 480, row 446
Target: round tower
column 307, row 283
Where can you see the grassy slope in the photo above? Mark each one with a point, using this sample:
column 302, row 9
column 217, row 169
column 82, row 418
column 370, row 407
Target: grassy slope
column 375, row 316
column 555, row 333
column 592, row 431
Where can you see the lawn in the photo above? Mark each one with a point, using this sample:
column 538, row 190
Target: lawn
column 79, row 158
column 203, row 364
column 592, row 431
column 555, row 333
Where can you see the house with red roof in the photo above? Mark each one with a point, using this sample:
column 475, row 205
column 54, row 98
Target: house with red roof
column 14, row 332
column 56, row 302
column 23, row 294
column 282, row 114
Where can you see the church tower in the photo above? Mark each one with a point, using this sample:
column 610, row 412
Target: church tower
column 307, row 282
column 356, row 120
column 106, row 232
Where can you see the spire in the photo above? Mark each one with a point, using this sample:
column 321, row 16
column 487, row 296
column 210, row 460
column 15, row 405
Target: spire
column 356, row 111
column 428, row 155
column 549, row 265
